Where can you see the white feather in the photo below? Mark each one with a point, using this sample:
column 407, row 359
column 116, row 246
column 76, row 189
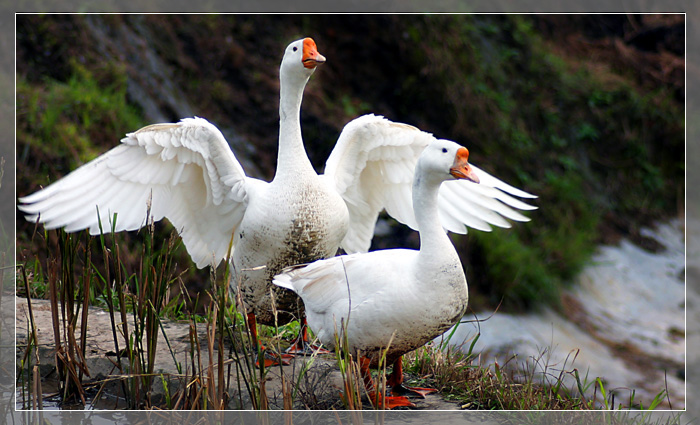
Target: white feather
column 372, row 168
column 157, row 159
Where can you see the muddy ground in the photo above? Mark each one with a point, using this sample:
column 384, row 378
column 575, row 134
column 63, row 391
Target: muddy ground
column 323, row 377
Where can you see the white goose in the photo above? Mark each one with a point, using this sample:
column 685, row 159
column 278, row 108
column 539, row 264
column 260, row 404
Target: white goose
column 186, row 172
column 404, row 296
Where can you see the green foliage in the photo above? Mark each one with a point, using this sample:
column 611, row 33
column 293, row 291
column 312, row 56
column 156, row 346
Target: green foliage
column 515, row 270
column 74, row 120
column 594, row 148
column 354, row 107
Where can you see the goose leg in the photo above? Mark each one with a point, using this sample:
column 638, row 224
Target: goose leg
column 271, row 359
column 377, row 398
column 395, row 381
column 302, row 346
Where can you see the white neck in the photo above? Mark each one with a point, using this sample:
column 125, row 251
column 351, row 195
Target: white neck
column 291, row 157
column 434, row 242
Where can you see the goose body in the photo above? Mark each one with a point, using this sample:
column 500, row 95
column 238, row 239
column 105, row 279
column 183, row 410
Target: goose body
column 187, row 173
column 382, row 296
column 285, row 224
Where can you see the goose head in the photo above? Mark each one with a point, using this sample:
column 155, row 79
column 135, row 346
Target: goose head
column 445, row 160
column 300, row 60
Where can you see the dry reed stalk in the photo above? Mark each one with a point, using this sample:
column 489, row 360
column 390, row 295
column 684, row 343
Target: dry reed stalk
column 37, row 399
column 264, row 402
column 211, row 335
column 287, row 402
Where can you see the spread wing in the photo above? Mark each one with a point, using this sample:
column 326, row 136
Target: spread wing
column 372, row 167
column 184, row 171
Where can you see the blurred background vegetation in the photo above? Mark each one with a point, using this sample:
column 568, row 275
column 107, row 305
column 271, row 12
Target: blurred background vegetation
column 585, row 111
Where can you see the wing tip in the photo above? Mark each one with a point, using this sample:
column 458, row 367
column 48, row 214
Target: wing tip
column 32, row 198
column 284, row 280
column 26, row 208
column 511, row 190
column 32, row 218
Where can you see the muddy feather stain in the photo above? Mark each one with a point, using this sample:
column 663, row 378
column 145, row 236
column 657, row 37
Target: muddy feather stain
column 316, row 222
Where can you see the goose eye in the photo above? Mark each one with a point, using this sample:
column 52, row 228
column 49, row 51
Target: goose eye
column 294, row 48
column 444, row 150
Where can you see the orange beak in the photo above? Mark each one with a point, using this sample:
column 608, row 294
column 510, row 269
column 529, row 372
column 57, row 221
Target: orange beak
column 311, row 57
column 461, row 169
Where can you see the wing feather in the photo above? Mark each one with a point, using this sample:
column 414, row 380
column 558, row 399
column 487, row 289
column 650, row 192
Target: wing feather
column 183, row 171
column 372, row 167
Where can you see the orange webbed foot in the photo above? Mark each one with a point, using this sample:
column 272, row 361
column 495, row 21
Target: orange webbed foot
column 401, row 390
column 274, row 359
column 306, row 349
column 390, row 402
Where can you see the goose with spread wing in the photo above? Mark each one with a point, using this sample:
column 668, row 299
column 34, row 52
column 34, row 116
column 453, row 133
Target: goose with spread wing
column 187, row 173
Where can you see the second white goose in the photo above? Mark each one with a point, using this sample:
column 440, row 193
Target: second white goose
column 392, row 301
